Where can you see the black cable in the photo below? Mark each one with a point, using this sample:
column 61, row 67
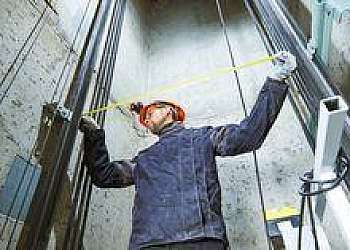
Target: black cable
column 257, row 172
column 307, row 188
column 71, row 50
column 99, row 85
column 50, row 6
column 333, row 183
column 96, row 97
column 76, row 169
column 102, row 117
column 313, row 225
column 301, row 222
column 306, row 193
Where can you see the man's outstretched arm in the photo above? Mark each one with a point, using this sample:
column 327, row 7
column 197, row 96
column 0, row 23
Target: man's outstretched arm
column 234, row 139
column 105, row 173
column 250, row 134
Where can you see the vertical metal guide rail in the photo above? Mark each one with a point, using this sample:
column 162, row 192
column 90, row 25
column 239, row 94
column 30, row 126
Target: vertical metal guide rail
column 314, row 99
column 60, row 137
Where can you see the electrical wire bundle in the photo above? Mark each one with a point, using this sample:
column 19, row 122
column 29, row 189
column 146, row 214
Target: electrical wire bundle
column 322, row 186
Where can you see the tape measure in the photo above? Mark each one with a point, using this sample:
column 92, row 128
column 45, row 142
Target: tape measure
column 126, row 101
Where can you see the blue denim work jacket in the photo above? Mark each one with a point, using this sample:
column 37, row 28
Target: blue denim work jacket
column 178, row 194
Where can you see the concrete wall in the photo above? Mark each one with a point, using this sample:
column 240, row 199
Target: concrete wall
column 36, row 80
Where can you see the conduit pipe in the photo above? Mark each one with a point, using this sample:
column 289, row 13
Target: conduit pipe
column 317, row 25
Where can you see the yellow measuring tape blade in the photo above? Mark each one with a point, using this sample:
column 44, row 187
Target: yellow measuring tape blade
column 281, row 213
column 176, row 85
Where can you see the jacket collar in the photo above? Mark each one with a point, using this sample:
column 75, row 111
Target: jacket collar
column 171, row 128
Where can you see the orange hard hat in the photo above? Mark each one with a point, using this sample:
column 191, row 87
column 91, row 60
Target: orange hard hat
column 142, row 110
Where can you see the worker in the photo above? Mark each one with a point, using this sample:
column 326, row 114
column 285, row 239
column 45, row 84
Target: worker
column 177, row 203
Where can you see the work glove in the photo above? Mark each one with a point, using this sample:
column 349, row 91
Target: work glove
column 285, row 64
column 88, row 124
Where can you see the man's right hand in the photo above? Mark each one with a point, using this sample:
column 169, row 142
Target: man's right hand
column 88, row 124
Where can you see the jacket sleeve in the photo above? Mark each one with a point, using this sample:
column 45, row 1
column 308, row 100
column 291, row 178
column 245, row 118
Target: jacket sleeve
column 234, row 139
column 105, row 173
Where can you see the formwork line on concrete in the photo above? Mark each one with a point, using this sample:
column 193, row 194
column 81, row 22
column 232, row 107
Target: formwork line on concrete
column 4, row 94
column 31, row 33
column 257, row 172
column 31, row 154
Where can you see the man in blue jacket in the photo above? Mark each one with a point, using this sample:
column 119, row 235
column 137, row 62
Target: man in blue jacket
column 177, row 201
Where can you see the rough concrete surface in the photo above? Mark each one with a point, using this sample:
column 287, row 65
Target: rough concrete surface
column 162, row 41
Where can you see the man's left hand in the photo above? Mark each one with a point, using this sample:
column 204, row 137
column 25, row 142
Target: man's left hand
column 285, row 64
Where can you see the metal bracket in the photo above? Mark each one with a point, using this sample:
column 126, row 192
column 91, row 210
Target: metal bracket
column 52, row 119
column 57, row 110
column 64, row 113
